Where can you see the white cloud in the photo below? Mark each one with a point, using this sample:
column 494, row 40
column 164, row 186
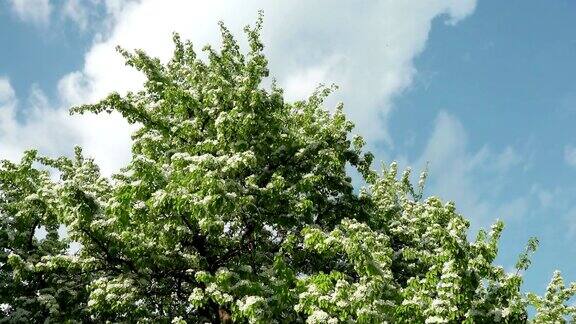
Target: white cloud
column 35, row 11
column 6, row 91
column 96, row 15
column 299, row 85
column 78, row 13
column 570, row 155
column 472, row 179
column 7, row 117
column 367, row 49
column 37, row 126
column 507, row 159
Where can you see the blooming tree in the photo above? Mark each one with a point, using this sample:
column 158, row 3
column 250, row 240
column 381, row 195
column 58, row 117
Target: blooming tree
column 237, row 207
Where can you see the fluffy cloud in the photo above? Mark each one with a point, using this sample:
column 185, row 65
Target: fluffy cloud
column 7, row 105
column 53, row 132
column 367, row 49
column 39, row 126
column 455, row 171
column 78, row 13
column 95, row 15
column 6, row 91
column 34, row 11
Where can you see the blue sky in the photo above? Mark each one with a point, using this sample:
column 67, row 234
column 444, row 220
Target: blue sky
column 508, row 76
column 484, row 92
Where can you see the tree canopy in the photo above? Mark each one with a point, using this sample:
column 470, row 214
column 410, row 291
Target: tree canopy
column 237, row 207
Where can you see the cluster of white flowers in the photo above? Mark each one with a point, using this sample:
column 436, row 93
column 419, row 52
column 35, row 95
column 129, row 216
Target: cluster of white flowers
column 248, row 303
column 320, row 317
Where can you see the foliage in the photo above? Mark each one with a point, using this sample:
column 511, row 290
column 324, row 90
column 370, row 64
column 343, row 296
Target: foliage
column 236, row 206
column 36, row 281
